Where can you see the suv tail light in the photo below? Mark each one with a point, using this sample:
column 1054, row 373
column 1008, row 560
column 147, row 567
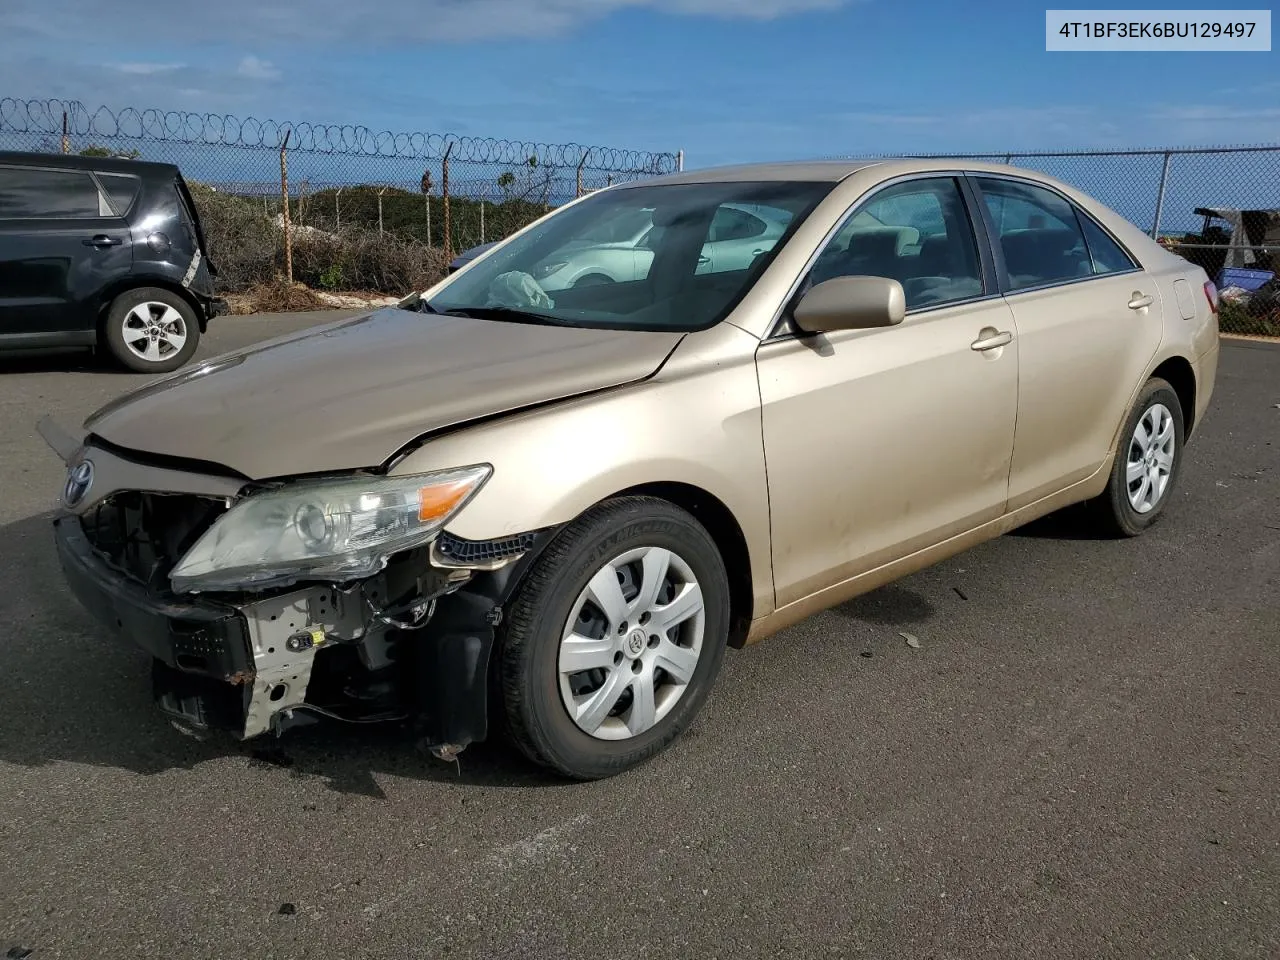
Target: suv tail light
column 1211, row 294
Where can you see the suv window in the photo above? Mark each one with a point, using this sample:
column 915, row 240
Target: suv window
column 48, row 194
column 1107, row 255
column 1038, row 233
column 917, row 233
column 122, row 190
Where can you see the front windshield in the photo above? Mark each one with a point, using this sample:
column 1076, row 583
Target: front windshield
column 648, row 257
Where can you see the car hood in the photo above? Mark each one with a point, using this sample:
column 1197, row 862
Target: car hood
column 351, row 394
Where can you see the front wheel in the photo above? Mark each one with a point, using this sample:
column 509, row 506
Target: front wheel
column 614, row 639
column 150, row 330
column 1146, row 465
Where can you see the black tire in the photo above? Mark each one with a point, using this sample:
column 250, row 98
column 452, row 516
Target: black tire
column 1112, row 512
column 537, row 719
column 114, row 330
column 592, row 280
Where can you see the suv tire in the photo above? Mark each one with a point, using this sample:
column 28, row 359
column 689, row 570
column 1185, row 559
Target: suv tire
column 150, row 330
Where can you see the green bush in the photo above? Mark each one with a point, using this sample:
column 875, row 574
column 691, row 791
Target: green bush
column 1248, row 319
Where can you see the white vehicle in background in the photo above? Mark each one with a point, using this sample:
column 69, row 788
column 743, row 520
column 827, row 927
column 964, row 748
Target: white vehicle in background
column 621, row 249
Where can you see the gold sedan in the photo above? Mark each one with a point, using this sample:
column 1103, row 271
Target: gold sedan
column 816, row 378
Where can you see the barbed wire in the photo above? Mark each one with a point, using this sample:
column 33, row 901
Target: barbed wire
column 46, row 117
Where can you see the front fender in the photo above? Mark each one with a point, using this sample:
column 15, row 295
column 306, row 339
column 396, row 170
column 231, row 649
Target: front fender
column 697, row 422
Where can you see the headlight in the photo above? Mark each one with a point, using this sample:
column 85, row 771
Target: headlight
column 544, row 270
column 328, row 530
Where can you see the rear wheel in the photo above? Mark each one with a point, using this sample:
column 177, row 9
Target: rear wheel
column 150, row 330
column 1147, row 464
column 614, row 639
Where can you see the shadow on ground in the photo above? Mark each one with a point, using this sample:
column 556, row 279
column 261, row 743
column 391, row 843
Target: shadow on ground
column 59, row 360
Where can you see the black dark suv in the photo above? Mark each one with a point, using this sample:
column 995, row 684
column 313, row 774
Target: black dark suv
column 102, row 253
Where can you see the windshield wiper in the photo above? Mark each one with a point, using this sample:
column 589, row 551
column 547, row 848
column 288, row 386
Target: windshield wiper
column 509, row 314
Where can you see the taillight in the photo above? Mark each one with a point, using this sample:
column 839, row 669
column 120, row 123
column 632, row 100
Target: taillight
column 1211, row 294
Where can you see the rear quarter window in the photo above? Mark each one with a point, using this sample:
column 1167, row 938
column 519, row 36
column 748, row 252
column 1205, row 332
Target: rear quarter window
column 121, row 189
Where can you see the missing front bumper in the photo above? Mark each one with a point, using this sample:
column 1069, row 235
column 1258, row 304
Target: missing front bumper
column 277, row 661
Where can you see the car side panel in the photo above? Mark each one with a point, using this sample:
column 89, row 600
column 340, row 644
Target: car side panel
column 884, row 442
column 1083, row 353
column 50, row 279
column 159, row 211
column 696, row 422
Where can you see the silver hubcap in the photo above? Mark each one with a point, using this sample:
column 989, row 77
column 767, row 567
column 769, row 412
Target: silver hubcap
column 632, row 643
column 154, row 331
column 1150, row 463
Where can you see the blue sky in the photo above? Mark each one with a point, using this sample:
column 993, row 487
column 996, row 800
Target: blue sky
column 725, row 80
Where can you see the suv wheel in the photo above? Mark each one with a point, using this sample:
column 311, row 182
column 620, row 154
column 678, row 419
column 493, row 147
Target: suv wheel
column 614, row 639
column 150, row 330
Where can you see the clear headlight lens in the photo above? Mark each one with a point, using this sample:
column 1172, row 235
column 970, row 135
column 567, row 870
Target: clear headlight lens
column 328, row 529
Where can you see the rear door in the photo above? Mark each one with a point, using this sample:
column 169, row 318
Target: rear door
column 61, row 242
column 1088, row 321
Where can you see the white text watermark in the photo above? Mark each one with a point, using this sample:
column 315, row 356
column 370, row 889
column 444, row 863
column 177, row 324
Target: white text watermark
column 1223, row 31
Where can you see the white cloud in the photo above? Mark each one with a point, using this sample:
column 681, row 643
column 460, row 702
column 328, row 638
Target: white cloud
column 419, row 21
column 255, row 68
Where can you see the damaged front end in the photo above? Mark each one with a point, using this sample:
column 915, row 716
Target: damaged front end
column 269, row 606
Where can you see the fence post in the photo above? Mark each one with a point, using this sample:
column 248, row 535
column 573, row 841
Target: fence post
column 428, row 199
column 284, row 196
column 1164, row 179
column 482, row 219
column 380, row 193
column 444, row 191
column 337, row 208
column 582, row 163
column 66, row 140
column 680, row 161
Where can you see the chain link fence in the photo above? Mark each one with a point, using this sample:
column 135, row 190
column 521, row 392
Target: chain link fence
column 1218, row 207
column 335, row 207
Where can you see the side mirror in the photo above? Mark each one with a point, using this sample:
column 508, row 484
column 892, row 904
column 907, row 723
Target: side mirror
column 851, row 303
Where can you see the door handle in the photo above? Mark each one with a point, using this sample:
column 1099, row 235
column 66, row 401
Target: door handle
column 995, row 340
column 1141, row 300
column 103, row 241
column 702, row 260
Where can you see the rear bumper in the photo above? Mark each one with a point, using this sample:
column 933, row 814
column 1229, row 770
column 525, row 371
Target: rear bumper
column 216, row 307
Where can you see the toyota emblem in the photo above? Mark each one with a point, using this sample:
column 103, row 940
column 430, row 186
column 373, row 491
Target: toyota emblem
column 79, row 480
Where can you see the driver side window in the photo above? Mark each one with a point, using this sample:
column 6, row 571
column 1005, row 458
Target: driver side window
column 918, row 233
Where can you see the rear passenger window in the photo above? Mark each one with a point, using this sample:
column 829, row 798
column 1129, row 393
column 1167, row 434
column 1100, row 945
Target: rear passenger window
column 1038, row 233
column 122, row 190
column 731, row 224
column 47, row 194
column 1108, row 256
column 918, row 233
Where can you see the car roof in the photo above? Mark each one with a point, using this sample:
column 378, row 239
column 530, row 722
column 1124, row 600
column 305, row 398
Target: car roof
column 63, row 161
column 833, row 171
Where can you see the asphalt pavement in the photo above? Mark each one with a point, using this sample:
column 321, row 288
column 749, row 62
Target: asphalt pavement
column 1081, row 759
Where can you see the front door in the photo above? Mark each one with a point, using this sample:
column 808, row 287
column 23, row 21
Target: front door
column 883, row 442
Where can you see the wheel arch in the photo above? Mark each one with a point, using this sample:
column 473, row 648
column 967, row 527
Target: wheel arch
column 719, row 521
column 140, row 281
column 1179, row 373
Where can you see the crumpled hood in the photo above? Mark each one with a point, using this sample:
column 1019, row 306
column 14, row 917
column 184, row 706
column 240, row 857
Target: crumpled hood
column 350, row 394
